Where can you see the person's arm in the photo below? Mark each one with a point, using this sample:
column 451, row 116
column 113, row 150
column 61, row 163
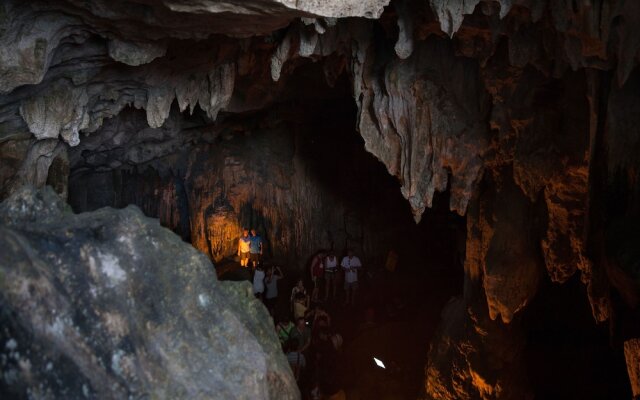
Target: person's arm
column 280, row 274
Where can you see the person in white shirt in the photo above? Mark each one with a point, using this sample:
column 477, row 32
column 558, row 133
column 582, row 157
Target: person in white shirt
column 274, row 274
column 258, row 282
column 350, row 264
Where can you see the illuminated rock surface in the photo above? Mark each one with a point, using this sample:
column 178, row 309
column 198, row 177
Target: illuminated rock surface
column 109, row 304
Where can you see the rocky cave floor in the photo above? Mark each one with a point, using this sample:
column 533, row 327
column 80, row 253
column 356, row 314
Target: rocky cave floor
column 563, row 348
column 406, row 306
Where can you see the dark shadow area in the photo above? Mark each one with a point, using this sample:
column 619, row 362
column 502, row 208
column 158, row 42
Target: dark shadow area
column 568, row 355
column 397, row 311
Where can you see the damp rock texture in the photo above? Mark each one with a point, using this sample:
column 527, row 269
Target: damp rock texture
column 111, row 305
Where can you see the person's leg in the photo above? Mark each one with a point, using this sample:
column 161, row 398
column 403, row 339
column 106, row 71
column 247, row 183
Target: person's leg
column 327, row 282
column 354, row 289
column 346, row 293
column 334, row 286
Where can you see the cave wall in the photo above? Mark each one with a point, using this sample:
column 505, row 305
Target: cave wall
column 278, row 171
column 525, row 110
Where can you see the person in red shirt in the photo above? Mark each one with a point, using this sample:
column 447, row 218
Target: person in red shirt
column 317, row 272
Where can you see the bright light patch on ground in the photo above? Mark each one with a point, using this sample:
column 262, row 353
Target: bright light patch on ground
column 379, row 363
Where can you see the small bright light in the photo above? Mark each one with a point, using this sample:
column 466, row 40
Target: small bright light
column 379, row 363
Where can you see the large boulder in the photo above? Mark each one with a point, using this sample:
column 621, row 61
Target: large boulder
column 109, row 304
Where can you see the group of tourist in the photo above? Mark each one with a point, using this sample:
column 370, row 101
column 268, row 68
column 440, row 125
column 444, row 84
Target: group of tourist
column 250, row 248
column 308, row 339
column 265, row 279
column 325, row 271
column 305, row 332
column 310, row 343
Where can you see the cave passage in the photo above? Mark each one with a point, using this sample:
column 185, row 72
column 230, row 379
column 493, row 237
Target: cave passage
column 299, row 173
column 298, row 164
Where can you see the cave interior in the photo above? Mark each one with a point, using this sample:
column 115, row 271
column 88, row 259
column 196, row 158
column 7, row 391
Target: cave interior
column 492, row 145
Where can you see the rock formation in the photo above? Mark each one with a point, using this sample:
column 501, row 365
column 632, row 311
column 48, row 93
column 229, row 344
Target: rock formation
column 111, row 305
column 525, row 111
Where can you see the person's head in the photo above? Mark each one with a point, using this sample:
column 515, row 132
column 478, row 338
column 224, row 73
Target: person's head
column 300, row 284
column 301, row 323
column 350, row 252
column 253, row 232
column 245, row 232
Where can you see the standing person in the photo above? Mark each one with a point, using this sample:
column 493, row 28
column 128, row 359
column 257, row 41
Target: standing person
column 299, row 288
column 284, row 328
column 295, row 357
column 350, row 264
column 274, row 274
column 302, row 334
column 299, row 306
column 330, row 276
column 317, row 272
column 258, row 282
column 243, row 248
column 255, row 249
